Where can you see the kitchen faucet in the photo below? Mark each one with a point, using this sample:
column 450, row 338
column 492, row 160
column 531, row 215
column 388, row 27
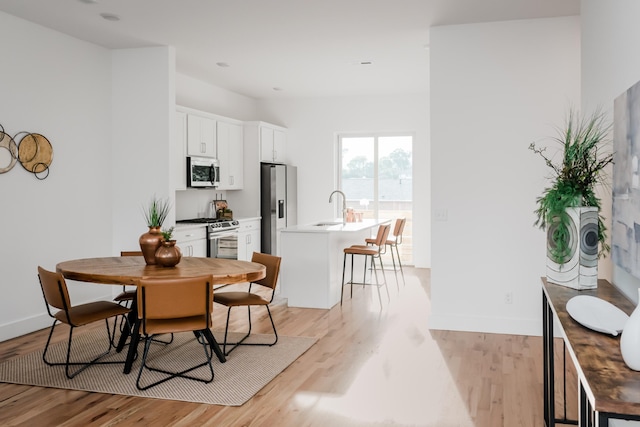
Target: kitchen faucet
column 344, row 205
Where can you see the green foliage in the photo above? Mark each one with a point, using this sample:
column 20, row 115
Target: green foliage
column 586, row 153
column 167, row 233
column 156, row 212
column 395, row 165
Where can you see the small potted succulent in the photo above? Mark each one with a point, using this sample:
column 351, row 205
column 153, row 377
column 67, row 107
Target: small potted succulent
column 168, row 254
column 569, row 209
column 167, row 234
column 155, row 214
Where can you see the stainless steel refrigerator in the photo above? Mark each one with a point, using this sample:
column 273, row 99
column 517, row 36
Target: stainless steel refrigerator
column 278, row 203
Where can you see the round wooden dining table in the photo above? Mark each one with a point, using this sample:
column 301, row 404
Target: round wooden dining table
column 130, row 269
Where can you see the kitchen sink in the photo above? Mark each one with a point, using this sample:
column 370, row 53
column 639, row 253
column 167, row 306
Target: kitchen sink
column 325, row 224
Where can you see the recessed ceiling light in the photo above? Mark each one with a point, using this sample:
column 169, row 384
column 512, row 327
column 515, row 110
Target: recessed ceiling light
column 222, row 64
column 278, row 89
column 366, row 62
column 110, row 16
column 89, row 1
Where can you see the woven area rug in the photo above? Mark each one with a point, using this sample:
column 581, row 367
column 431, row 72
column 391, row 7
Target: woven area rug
column 247, row 370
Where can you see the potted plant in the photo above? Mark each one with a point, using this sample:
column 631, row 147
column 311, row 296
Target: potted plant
column 155, row 214
column 569, row 209
column 167, row 234
column 168, row 254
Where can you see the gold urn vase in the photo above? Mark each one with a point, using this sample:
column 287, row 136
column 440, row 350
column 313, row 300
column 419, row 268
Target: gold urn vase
column 149, row 244
column 168, row 254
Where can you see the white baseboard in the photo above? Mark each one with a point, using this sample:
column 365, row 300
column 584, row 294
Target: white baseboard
column 492, row 325
column 34, row 323
column 24, row 326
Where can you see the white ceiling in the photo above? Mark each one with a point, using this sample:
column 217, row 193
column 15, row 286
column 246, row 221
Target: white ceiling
column 307, row 48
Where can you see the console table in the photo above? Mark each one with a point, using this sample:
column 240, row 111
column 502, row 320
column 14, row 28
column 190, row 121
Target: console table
column 608, row 389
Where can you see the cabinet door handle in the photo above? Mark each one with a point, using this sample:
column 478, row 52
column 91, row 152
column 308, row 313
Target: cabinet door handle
column 231, row 180
column 248, row 239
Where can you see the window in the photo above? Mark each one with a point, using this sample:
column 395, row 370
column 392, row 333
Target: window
column 376, row 176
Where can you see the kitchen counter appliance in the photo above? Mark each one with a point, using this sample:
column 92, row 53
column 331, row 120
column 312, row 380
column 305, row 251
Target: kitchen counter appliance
column 203, row 172
column 278, row 203
column 222, row 236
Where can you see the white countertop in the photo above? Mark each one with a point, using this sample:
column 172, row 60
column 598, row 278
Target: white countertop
column 334, row 225
column 189, row 225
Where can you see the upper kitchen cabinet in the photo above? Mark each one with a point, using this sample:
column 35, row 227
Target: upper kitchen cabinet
column 230, row 154
column 201, row 136
column 270, row 139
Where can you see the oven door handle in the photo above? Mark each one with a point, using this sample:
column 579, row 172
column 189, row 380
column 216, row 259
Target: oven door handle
column 219, row 234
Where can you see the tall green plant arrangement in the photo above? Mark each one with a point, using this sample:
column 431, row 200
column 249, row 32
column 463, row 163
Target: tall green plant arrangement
column 586, row 152
column 156, row 211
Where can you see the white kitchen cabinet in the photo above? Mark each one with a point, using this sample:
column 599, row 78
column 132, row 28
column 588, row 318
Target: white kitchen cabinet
column 192, row 240
column 201, row 136
column 230, row 154
column 248, row 238
column 270, row 140
column 279, row 146
column 247, row 201
column 177, row 160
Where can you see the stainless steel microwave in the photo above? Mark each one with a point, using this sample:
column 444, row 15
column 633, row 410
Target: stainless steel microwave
column 203, row 172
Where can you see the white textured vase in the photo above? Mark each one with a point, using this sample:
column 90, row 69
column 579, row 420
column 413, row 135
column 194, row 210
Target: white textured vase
column 579, row 268
column 630, row 339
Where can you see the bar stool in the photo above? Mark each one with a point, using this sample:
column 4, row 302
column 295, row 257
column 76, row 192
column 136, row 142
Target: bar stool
column 393, row 242
column 374, row 251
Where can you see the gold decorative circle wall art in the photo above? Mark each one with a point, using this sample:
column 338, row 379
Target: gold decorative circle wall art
column 35, row 153
column 8, row 152
column 32, row 150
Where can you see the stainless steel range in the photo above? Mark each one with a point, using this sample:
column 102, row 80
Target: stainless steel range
column 222, row 236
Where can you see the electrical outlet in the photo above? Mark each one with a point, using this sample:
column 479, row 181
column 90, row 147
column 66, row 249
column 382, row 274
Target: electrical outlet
column 508, row 297
column 441, row 215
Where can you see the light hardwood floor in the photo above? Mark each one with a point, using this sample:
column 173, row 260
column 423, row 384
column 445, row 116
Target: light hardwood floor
column 371, row 366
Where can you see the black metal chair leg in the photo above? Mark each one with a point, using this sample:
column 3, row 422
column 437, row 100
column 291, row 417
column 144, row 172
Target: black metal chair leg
column 241, row 341
column 344, row 266
column 395, row 269
column 400, row 264
column 83, row 365
column 226, row 333
column 364, row 273
column 351, row 276
column 375, row 271
column 273, row 325
column 208, row 355
column 384, row 276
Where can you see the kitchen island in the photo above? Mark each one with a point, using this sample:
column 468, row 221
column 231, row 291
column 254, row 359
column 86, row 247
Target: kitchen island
column 312, row 258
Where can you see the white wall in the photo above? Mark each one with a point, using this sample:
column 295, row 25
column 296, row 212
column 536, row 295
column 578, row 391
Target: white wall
column 202, row 96
column 313, row 125
column 60, row 87
column 143, row 95
column 495, row 88
column 610, row 65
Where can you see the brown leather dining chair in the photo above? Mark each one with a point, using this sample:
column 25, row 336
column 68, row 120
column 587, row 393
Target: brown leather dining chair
column 56, row 295
column 174, row 306
column 392, row 243
column 373, row 251
column 249, row 299
column 128, row 296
